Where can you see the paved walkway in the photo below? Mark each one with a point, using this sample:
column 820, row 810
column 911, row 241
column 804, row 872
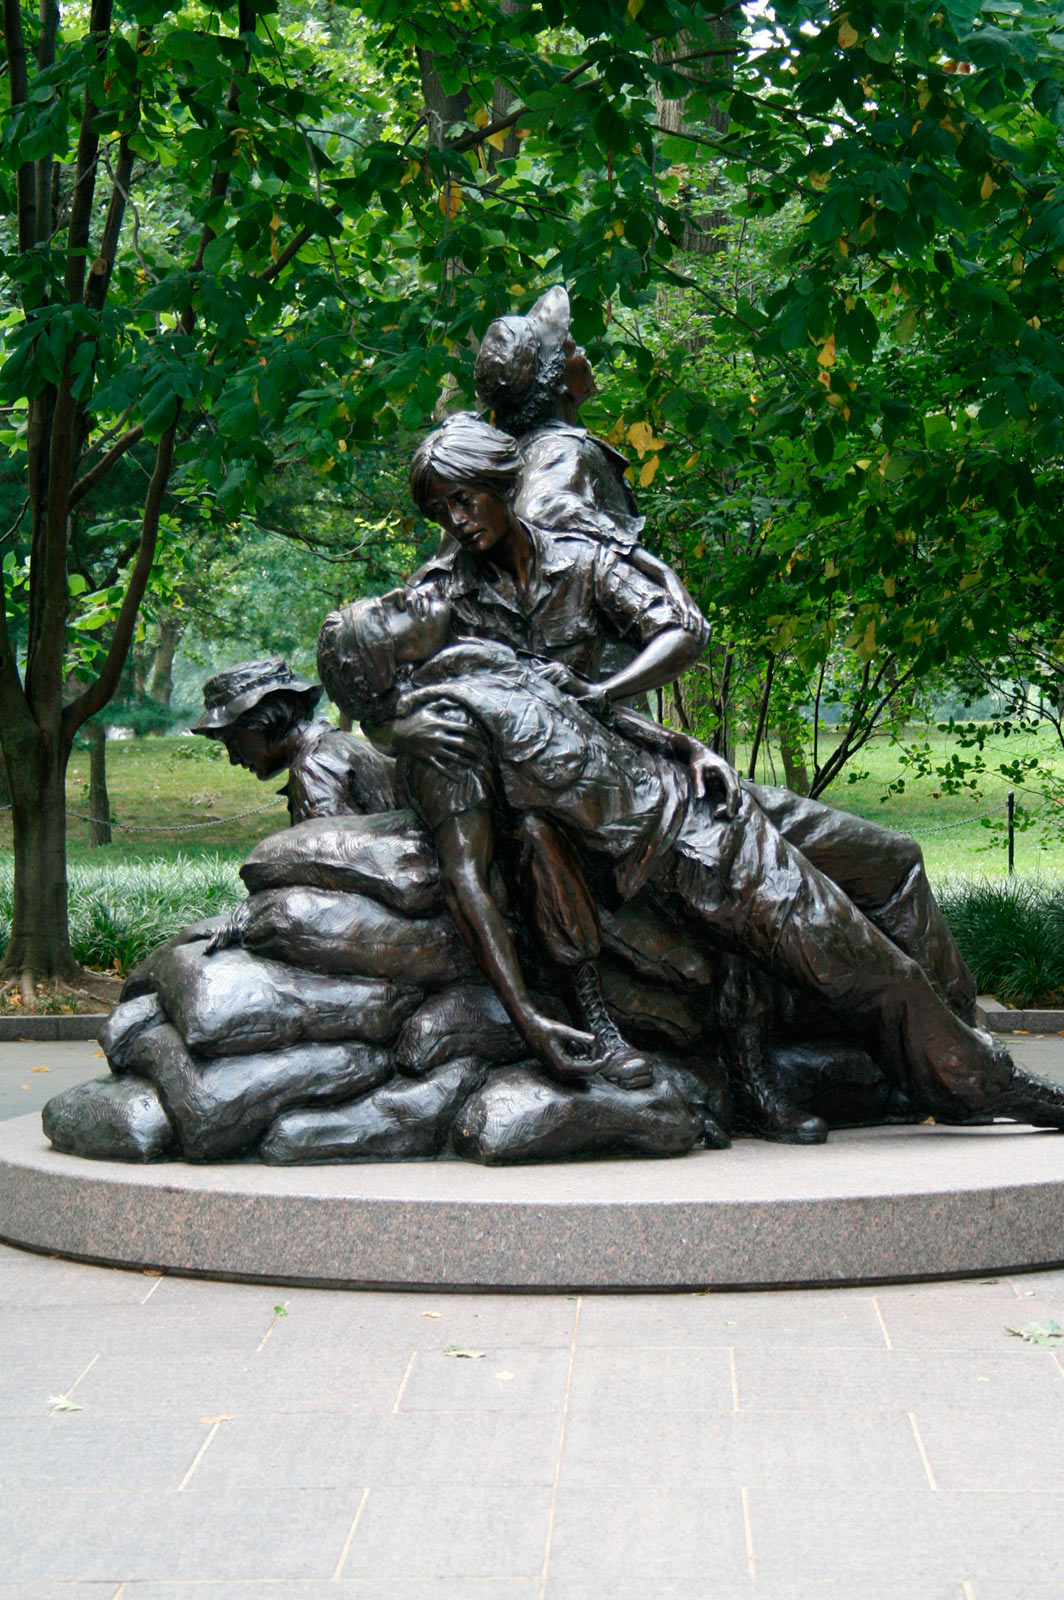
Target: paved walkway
column 248, row 1443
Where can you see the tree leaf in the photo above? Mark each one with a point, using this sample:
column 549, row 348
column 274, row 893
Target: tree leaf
column 1046, row 1334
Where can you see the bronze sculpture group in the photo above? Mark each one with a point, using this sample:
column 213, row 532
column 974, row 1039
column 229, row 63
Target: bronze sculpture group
column 522, row 921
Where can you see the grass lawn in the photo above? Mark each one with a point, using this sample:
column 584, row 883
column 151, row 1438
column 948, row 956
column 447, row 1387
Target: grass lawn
column 174, row 785
column 954, row 842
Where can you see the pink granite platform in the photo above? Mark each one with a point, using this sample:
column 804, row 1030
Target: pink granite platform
column 871, row 1205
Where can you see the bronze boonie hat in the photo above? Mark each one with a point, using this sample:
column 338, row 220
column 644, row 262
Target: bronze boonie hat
column 514, row 347
column 230, row 693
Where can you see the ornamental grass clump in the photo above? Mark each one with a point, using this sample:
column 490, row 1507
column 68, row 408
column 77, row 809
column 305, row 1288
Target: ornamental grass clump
column 1011, row 933
column 118, row 913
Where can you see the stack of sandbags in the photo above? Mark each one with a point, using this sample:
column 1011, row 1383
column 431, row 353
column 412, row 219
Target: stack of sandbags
column 340, row 1018
column 339, row 943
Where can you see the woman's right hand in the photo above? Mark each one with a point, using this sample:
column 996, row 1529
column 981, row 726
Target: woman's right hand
column 427, row 736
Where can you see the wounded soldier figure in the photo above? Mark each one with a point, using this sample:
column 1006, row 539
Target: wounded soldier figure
column 726, row 873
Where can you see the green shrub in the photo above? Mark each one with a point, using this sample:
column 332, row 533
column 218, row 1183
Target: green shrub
column 1011, row 933
column 119, row 912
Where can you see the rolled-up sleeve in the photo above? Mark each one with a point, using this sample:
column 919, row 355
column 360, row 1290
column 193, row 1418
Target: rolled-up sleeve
column 637, row 606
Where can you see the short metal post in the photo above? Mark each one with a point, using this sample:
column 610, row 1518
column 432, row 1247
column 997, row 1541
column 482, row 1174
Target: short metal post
column 1012, row 831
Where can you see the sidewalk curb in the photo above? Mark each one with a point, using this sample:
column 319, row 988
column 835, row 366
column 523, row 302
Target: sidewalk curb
column 990, row 1013
column 30, row 1029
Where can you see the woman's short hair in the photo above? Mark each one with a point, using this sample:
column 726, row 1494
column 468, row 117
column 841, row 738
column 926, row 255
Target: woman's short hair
column 465, row 449
column 275, row 715
column 356, row 661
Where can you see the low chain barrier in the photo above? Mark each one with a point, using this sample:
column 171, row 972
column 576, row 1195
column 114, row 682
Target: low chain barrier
column 239, row 816
column 990, row 816
column 962, row 822
column 169, row 827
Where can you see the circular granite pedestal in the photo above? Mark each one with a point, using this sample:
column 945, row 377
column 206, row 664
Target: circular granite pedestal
column 873, row 1204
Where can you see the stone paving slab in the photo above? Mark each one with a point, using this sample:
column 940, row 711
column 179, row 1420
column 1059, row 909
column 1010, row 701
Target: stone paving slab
column 840, row 1381
column 24, row 1087
column 823, row 1459
column 68, row 1451
column 468, row 1587
column 727, row 1449
column 292, row 1533
column 915, row 1537
column 979, row 1451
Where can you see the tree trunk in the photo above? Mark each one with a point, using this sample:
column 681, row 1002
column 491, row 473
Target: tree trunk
column 140, row 669
column 795, row 771
column 40, row 934
column 161, row 678
column 706, row 222
column 99, row 804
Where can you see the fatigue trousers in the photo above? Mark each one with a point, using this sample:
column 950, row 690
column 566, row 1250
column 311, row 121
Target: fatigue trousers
column 882, row 872
column 759, row 896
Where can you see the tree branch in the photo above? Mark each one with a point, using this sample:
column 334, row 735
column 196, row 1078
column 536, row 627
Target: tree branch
column 762, row 719
column 221, row 176
column 85, row 167
column 96, row 696
column 46, row 42
column 292, row 248
column 90, row 479
column 700, row 55
column 101, row 269
column 475, row 136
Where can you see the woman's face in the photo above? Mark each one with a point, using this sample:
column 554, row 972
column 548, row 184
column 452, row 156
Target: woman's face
column 248, row 748
column 473, row 516
column 418, row 622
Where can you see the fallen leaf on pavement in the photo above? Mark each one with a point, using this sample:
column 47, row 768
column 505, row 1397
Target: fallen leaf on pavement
column 1042, row 1333
column 59, row 1402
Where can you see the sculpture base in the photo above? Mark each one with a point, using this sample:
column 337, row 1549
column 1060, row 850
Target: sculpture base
column 872, row 1205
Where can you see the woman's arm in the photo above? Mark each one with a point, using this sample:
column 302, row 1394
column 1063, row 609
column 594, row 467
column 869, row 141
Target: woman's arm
column 659, row 662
